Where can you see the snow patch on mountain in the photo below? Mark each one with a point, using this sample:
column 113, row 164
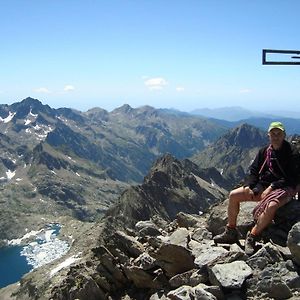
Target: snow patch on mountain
column 32, row 114
column 25, row 237
column 8, row 118
column 40, row 131
column 65, row 264
column 10, row 174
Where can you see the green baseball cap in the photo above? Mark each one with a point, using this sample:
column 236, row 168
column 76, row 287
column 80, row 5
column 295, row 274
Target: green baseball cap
column 274, row 125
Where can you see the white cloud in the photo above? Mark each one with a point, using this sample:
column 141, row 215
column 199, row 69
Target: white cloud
column 245, row 91
column 69, row 88
column 42, row 90
column 157, row 83
column 180, row 89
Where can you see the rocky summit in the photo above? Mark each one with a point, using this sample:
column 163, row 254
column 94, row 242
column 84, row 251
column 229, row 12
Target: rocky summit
column 156, row 243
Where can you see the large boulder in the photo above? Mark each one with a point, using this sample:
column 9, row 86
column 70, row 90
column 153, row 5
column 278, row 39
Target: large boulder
column 293, row 242
column 218, row 217
column 230, row 275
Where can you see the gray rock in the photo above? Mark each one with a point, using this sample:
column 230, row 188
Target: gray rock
column 198, row 247
column 274, row 288
column 213, row 289
column 230, row 275
column 142, row 224
column 186, row 292
column 201, row 294
column 179, row 237
column 289, row 274
column 207, row 255
column 174, row 259
column 187, row 220
column 201, row 234
column 145, row 261
column 112, row 266
column 258, row 263
column 269, row 252
column 88, row 290
column 147, row 228
column 141, row 278
column 191, row 278
column 158, row 296
column 293, row 242
column 275, row 281
column 128, row 244
column 218, row 217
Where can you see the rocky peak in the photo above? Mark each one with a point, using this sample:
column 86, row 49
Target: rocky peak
column 3, row 110
column 140, row 113
column 71, row 114
column 124, row 109
column 232, row 153
column 30, row 105
column 97, row 114
column 147, row 111
column 246, row 136
column 169, row 187
column 165, row 163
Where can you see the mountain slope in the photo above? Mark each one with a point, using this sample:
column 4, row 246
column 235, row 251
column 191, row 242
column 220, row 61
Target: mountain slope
column 170, row 187
column 233, row 152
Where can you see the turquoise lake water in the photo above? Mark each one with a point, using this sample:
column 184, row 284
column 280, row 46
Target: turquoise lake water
column 13, row 265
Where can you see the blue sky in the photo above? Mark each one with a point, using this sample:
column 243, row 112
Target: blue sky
column 168, row 54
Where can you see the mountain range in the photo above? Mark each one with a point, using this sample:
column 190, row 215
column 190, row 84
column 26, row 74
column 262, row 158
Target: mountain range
column 110, row 170
column 231, row 117
column 65, row 162
column 237, row 113
column 57, row 162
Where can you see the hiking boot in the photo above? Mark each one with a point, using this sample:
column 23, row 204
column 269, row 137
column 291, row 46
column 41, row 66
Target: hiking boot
column 229, row 236
column 250, row 243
